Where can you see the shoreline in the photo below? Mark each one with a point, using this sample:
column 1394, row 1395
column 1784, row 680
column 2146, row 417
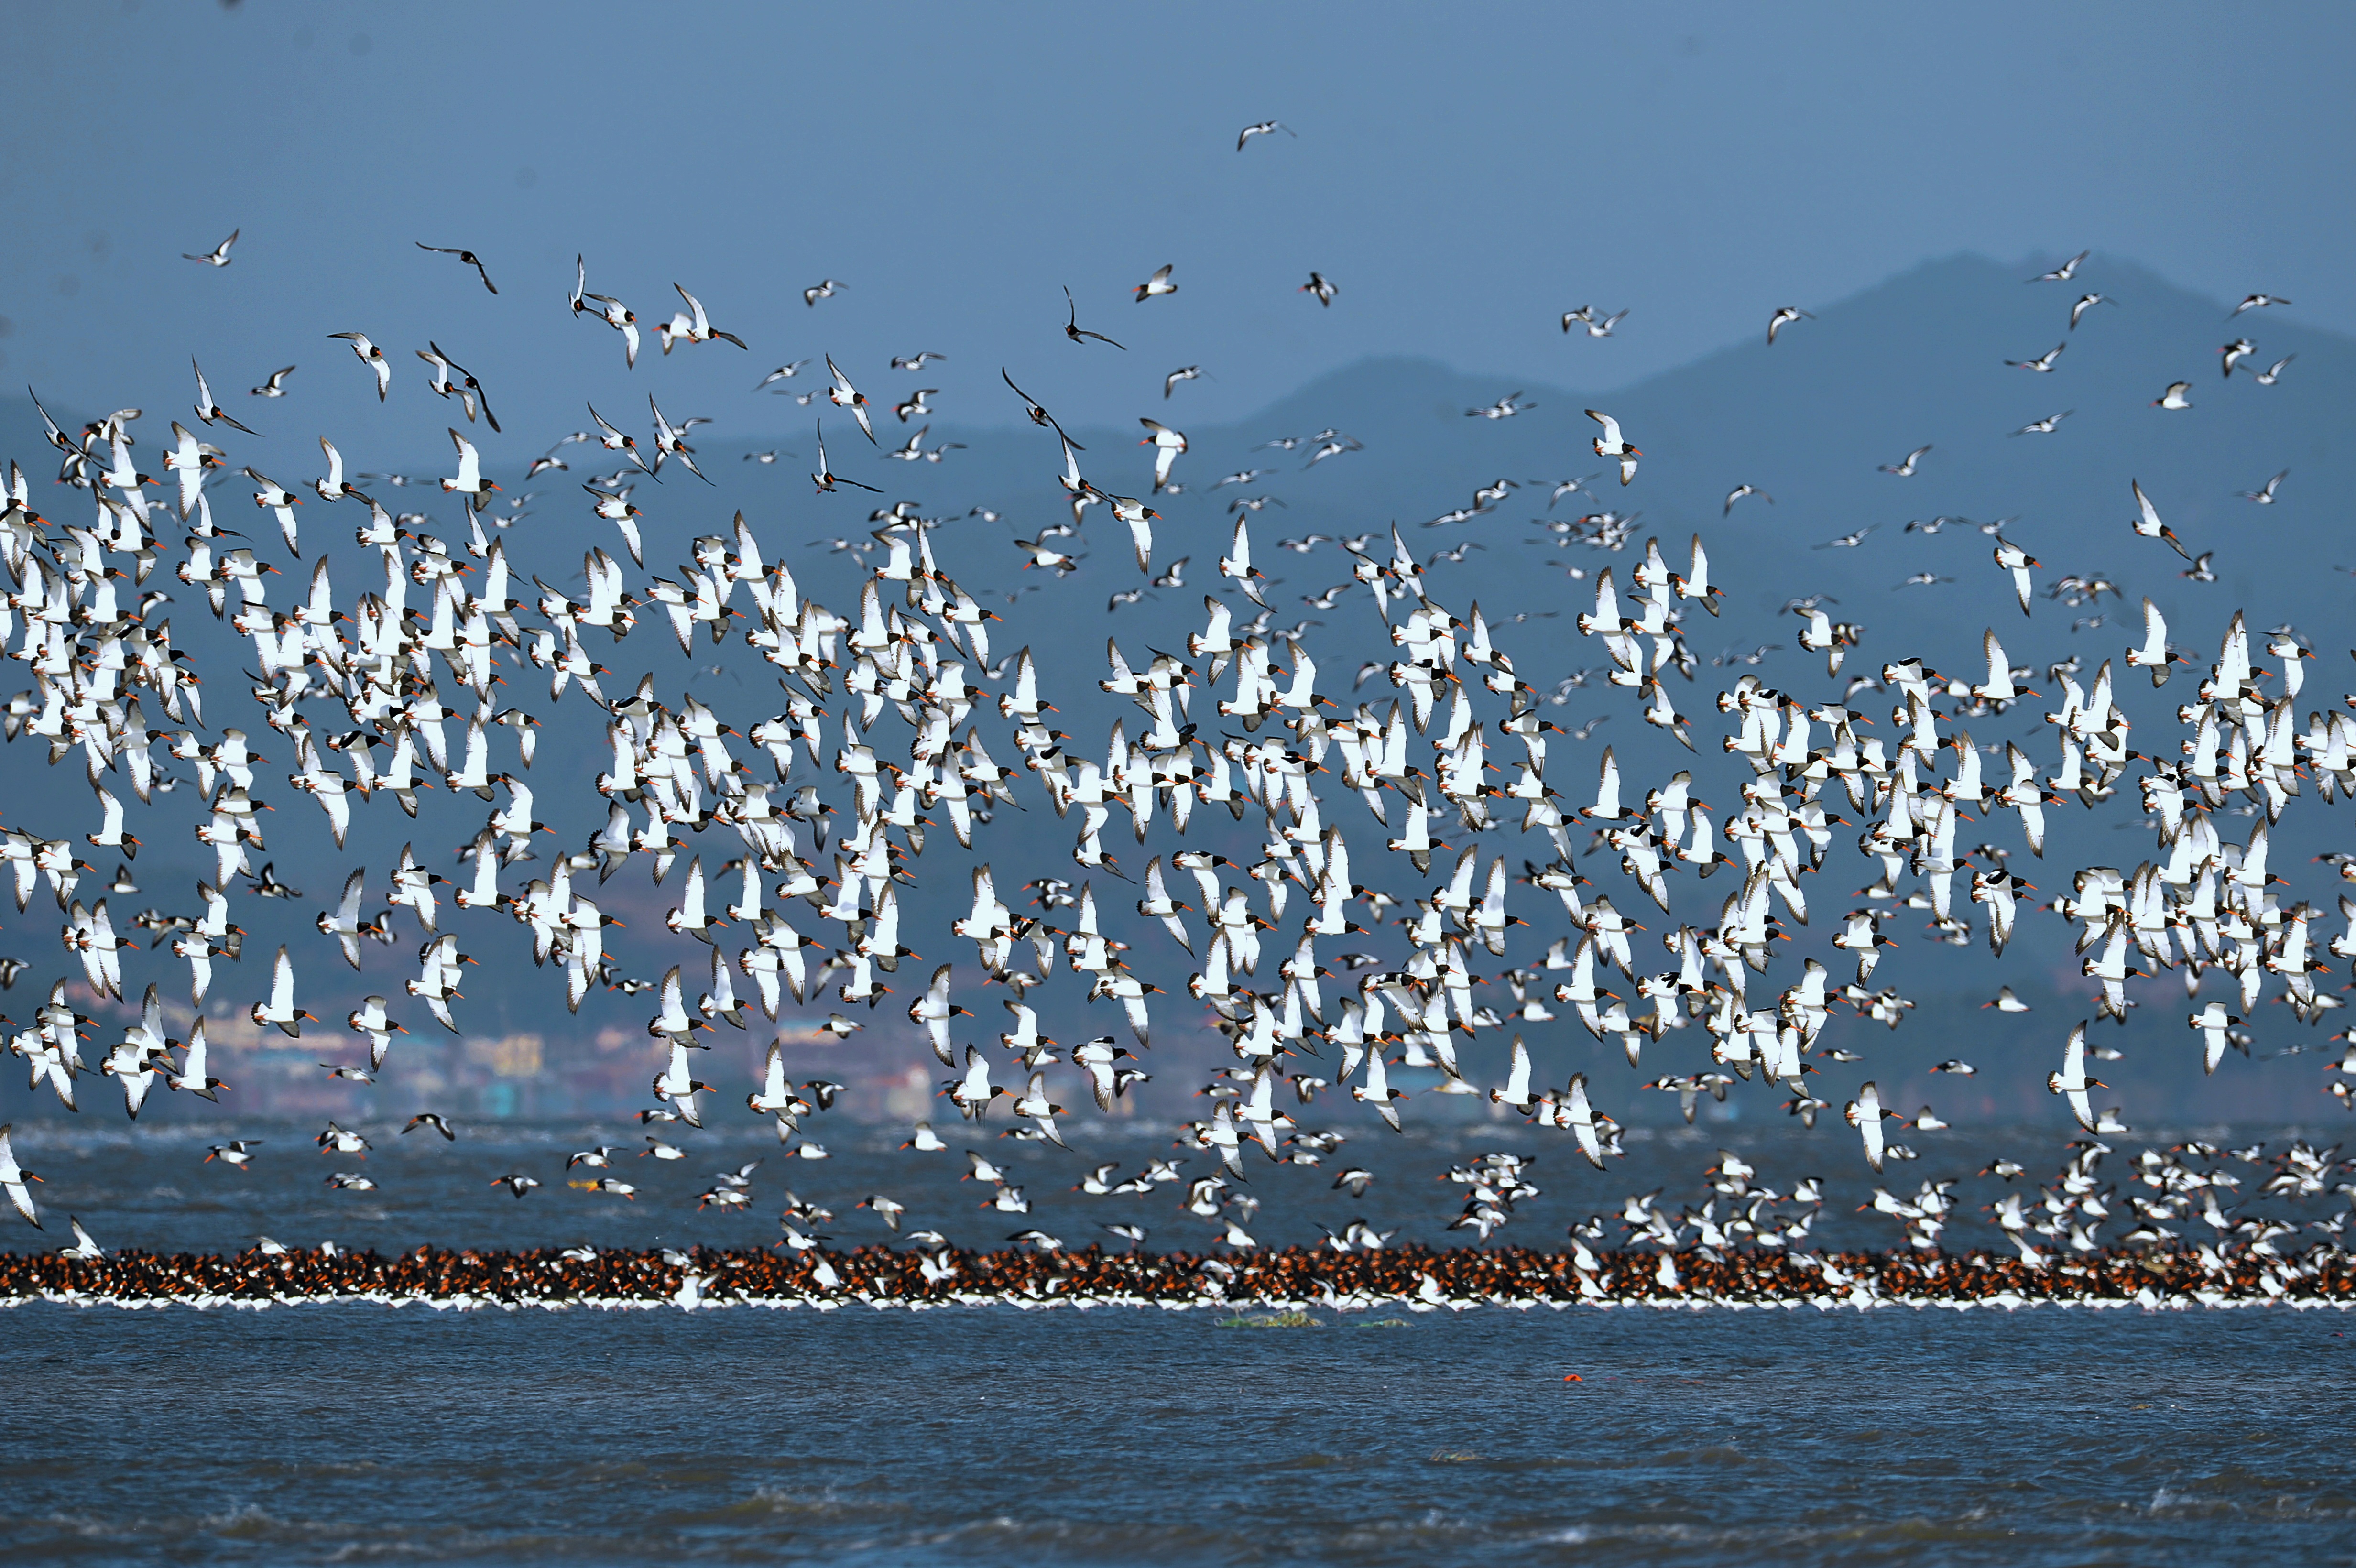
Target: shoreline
column 1291, row 1281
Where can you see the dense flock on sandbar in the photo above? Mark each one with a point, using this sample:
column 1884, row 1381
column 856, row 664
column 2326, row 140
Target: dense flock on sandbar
column 1427, row 798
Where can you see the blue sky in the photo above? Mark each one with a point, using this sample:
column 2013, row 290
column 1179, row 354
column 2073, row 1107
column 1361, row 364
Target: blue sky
column 1465, row 175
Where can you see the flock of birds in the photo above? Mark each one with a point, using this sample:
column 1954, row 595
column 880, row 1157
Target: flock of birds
column 898, row 720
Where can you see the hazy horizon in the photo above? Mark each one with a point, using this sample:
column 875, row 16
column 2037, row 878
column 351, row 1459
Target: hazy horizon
column 1697, row 168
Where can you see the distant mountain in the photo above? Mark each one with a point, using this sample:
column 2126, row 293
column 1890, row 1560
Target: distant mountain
column 1916, row 361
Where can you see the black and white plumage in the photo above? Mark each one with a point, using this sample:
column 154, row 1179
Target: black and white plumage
column 384, row 684
column 1074, row 331
column 466, row 259
column 12, row 1177
column 1610, row 443
column 2064, row 273
column 219, row 255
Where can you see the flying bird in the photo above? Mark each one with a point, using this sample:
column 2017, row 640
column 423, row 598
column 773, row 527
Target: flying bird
column 825, row 478
column 1167, row 444
column 12, row 1177
column 466, row 259
column 2085, row 302
column 1039, row 415
column 2064, row 273
column 844, row 395
column 1596, row 326
column 1074, row 331
column 1610, row 444
column 2264, row 494
column 219, row 255
column 2071, row 1082
column 693, row 326
column 2147, row 523
column 1864, row 1114
column 372, row 356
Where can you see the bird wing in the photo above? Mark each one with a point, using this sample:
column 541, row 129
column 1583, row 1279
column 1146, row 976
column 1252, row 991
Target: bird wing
column 192, row 1065
column 1140, row 526
column 1607, row 598
column 470, row 465
column 1582, row 1121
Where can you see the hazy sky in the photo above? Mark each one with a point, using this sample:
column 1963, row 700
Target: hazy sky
column 1464, row 174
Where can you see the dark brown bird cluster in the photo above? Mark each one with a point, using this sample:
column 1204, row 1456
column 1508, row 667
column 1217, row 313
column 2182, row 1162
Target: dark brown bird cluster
column 1413, row 1276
